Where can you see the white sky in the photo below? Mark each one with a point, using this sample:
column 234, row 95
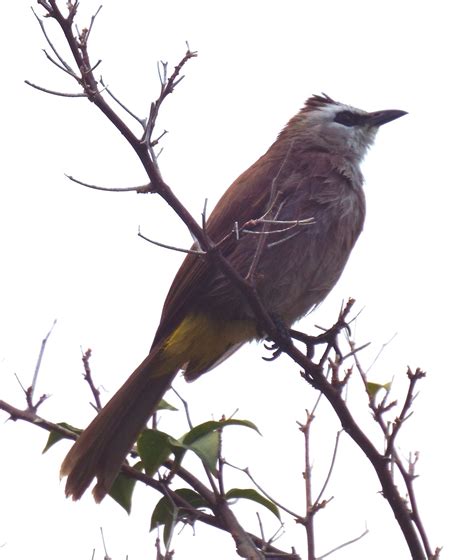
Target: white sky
column 72, row 254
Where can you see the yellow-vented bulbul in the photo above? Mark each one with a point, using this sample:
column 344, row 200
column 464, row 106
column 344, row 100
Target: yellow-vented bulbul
column 304, row 206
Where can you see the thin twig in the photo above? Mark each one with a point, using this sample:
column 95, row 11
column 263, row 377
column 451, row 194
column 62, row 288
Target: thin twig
column 88, row 377
column 330, row 470
column 124, row 107
column 354, row 351
column 308, row 521
column 157, row 140
column 50, row 43
column 204, row 215
column 404, row 414
column 167, row 87
column 186, row 407
column 273, row 231
column 246, row 471
column 52, row 92
column 139, row 189
column 89, row 30
column 391, row 452
column 172, row 247
column 106, row 557
column 283, row 240
column 379, row 353
column 31, row 390
column 343, row 545
column 60, row 66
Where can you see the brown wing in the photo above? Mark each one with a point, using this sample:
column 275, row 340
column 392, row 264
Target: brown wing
column 246, row 199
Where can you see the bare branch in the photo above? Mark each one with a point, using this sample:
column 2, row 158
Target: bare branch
column 31, row 390
column 157, row 140
column 31, row 417
column 246, row 471
column 283, row 240
column 139, row 189
column 404, row 414
column 167, row 87
column 106, row 557
column 88, row 377
column 347, row 543
column 62, row 62
column 60, row 66
column 124, row 107
column 379, row 353
column 171, row 247
column 186, row 407
column 204, row 215
column 88, row 31
column 354, row 351
column 331, row 468
column 32, row 407
column 310, row 510
column 52, row 92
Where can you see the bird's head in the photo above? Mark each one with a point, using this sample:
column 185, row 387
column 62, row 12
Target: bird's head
column 331, row 126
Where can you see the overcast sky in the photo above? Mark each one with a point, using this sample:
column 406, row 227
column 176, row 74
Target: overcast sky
column 72, row 254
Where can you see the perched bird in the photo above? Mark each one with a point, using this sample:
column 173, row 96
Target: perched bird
column 299, row 210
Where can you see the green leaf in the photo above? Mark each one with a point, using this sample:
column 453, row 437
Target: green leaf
column 374, row 388
column 164, row 405
column 54, row 437
column 193, row 498
column 213, row 425
column 122, row 490
column 207, row 449
column 168, row 531
column 154, row 448
column 167, row 512
column 251, row 494
column 162, row 513
column 204, row 440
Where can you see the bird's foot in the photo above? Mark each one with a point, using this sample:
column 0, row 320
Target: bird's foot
column 328, row 337
column 275, row 348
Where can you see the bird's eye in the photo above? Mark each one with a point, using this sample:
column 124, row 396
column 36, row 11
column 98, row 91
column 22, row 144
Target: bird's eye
column 347, row 118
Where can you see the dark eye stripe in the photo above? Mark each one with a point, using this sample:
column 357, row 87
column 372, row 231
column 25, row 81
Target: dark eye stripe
column 348, row 118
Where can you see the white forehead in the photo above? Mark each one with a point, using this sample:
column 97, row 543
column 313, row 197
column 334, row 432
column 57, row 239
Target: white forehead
column 327, row 112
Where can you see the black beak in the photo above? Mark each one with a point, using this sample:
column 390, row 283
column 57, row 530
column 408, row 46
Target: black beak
column 378, row 118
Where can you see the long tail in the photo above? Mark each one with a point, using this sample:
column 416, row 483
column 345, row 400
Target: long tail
column 100, row 450
column 199, row 343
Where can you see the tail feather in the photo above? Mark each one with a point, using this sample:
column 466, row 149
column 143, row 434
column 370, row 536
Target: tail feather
column 102, row 447
column 198, row 343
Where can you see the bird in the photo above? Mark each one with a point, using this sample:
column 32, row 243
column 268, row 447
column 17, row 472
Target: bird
column 288, row 225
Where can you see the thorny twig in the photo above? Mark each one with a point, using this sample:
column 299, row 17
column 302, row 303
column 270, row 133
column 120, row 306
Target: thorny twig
column 308, row 519
column 88, row 377
column 31, row 389
column 390, row 431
